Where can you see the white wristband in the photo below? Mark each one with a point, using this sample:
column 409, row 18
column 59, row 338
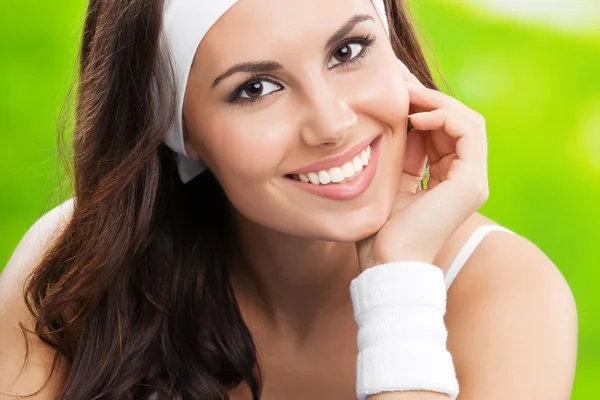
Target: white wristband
column 399, row 308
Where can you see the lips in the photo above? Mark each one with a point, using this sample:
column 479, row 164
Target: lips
column 349, row 188
column 344, row 173
column 334, row 162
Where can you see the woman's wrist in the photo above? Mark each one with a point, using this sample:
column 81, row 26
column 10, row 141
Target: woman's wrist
column 397, row 257
column 399, row 308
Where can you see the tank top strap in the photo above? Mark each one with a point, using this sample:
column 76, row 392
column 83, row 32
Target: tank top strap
column 467, row 250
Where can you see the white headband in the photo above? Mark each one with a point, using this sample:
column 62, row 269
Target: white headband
column 185, row 24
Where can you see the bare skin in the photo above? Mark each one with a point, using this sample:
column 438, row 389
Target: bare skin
column 509, row 312
column 13, row 311
column 511, row 316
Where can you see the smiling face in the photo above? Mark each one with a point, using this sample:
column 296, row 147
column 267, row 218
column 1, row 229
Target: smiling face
column 317, row 101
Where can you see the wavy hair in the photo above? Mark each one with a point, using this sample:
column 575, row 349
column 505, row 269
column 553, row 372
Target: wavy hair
column 134, row 294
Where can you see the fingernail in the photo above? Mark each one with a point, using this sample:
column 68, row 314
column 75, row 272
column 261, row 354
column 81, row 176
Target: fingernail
column 417, row 114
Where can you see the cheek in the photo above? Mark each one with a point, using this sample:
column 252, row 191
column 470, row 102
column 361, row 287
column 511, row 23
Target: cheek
column 381, row 93
column 249, row 147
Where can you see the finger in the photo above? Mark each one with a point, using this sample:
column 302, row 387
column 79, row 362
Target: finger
column 441, row 144
column 432, row 152
column 438, row 171
column 415, row 157
column 430, row 99
column 409, row 183
column 467, row 134
column 440, row 211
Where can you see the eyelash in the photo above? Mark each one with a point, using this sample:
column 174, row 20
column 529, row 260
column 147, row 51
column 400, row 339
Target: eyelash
column 365, row 40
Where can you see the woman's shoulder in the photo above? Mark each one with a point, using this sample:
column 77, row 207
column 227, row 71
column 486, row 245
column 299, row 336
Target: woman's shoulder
column 491, row 246
column 460, row 237
column 37, row 238
column 498, row 261
column 483, row 248
column 484, row 237
column 14, row 312
column 509, row 310
column 40, row 235
column 33, row 244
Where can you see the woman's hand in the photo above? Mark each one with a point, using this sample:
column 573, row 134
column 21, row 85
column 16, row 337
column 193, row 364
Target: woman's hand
column 453, row 138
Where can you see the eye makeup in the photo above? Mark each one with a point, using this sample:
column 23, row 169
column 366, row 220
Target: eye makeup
column 240, row 95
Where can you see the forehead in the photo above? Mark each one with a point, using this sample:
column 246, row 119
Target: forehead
column 251, row 26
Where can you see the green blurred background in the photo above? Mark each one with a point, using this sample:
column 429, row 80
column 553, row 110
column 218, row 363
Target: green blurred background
column 534, row 75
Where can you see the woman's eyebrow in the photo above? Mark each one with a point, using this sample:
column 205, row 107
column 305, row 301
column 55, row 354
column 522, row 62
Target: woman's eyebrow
column 249, row 66
column 269, row 66
column 346, row 29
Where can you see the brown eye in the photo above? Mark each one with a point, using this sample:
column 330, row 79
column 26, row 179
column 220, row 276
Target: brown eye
column 254, row 89
column 345, row 53
column 258, row 89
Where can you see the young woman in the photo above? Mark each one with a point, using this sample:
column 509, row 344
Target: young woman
column 279, row 246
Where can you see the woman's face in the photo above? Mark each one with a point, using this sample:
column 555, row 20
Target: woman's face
column 317, row 100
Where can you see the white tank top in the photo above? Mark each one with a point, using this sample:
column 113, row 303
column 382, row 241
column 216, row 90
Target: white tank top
column 467, row 250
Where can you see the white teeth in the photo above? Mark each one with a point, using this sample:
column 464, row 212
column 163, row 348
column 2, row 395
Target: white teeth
column 336, row 174
column 313, row 178
column 357, row 164
column 348, row 170
column 364, row 158
column 339, row 174
column 324, row 177
column 303, row 178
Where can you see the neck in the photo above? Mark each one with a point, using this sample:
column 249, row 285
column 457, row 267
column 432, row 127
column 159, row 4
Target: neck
column 293, row 283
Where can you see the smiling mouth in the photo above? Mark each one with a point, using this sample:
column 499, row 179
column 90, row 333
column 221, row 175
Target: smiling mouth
column 339, row 174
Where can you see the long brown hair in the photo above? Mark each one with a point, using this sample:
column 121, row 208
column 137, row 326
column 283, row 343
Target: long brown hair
column 134, row 295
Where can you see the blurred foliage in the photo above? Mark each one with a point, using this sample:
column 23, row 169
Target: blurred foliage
column 538, row 89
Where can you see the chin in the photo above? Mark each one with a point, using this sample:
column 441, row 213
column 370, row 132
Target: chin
column 353, row 228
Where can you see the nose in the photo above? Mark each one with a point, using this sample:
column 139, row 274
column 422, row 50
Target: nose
column 328, row 119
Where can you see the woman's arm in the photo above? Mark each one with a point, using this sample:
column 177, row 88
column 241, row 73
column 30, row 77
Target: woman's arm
column 16, row 376
column 512, row 326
